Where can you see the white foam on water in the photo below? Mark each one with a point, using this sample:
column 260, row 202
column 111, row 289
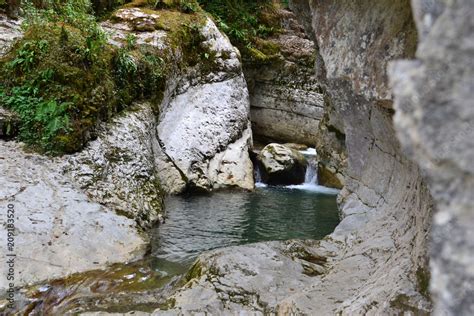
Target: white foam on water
column 311, row 187
column 311, row 177
column 309, row 152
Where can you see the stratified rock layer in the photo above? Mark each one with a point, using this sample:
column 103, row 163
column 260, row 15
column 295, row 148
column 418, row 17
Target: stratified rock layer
column 286, row 97
column 435, row 122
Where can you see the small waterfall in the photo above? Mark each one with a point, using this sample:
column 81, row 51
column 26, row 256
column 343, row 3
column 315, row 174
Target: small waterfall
column 311, row 176
column 258, row 177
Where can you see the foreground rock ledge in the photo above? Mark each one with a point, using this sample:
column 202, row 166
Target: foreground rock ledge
column 59, row 230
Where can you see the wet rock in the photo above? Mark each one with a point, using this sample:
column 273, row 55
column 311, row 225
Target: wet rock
column 329, row 177
column 73, row 233
column 9, row 124
column 282, row 165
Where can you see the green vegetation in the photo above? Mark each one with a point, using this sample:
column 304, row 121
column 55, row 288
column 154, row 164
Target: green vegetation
column 248, row 23
column 62, row 77
column 423, row 277
column 56, row 78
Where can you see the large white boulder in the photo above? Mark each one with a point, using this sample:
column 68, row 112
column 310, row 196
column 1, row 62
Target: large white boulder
column 204, row 126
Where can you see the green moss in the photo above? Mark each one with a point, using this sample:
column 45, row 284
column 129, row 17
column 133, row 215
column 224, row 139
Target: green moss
column 63, row 78
column 169, row 304
column 246, row 22
column 195, row 272
column 58, row 73
column 402, row 304
column 423, row 281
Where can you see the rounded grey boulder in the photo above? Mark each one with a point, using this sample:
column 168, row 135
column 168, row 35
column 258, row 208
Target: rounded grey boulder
column 280, row 164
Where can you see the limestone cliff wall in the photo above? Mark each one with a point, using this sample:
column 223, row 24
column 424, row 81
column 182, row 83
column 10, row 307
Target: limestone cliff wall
column 434, row 119
column 383, row 188
column 286, row 98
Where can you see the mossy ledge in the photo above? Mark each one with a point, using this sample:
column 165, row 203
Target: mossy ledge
column 65, row 76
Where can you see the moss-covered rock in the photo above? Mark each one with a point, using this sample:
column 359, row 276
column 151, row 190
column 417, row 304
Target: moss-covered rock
column 64, row 77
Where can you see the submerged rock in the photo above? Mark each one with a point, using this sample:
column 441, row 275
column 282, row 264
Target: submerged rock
column 282, row 165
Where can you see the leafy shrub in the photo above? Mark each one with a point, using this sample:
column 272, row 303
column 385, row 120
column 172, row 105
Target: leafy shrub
column 188, row 6
column 244, row 21
column 44, row 117
column 57, row 77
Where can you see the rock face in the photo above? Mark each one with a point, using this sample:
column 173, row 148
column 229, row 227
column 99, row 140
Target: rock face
column 118, row 168
column 200, row 138
column 435, row 122
column 9, row 31
column 286, row 98
column 329, row 176
column 267, row 273
column 204, row 128
column 281, row 165
column 72, row 233
column 378, row 262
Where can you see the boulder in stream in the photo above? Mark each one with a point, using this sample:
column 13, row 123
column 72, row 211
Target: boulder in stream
column 280, row 164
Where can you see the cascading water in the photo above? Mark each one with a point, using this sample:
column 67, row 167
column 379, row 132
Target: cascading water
column 311, row 177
